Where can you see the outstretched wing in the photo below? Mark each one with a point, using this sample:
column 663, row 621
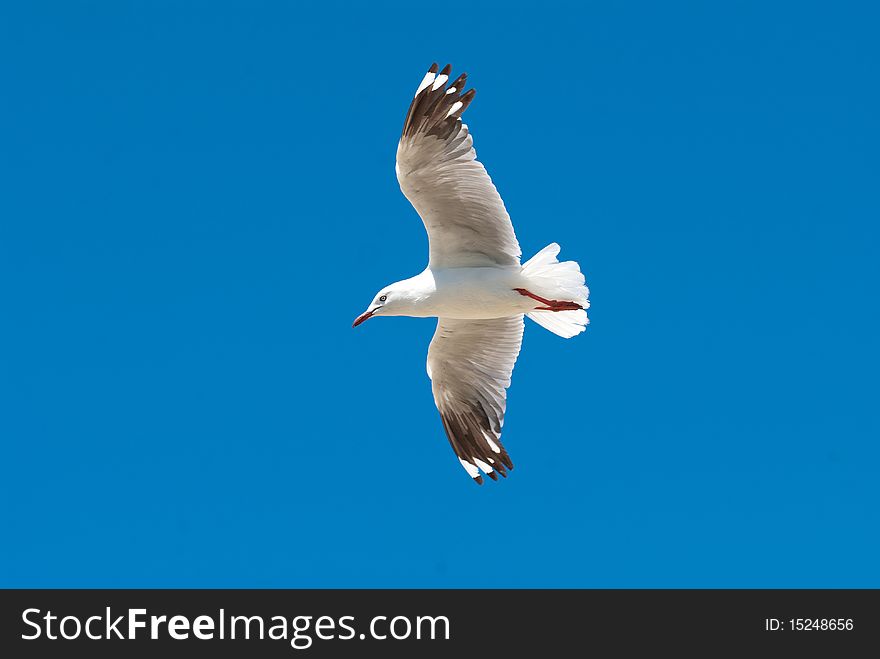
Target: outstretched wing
column 469, row 363
column 438, row 171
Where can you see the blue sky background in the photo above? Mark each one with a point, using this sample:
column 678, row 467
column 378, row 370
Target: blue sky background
column 197, row 199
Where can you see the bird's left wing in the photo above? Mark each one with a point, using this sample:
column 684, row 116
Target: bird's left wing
column 439, row 173
column 469, row 363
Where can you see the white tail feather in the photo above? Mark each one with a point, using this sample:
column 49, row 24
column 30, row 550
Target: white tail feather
column 559, row 281
column 562, row 323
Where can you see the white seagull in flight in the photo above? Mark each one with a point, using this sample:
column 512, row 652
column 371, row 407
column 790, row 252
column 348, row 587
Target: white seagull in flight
column 474, row 283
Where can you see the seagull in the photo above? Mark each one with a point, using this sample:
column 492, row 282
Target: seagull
column 474, row 283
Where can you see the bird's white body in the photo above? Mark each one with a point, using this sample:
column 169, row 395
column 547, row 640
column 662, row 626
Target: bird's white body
column 474, row 283
column 464, row 293
column 493, row 291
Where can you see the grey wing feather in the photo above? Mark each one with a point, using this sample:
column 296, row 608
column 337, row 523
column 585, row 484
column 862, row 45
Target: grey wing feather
column 470, row 363
column 438, row 171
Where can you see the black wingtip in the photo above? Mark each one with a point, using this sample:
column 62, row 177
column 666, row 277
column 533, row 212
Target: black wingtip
column 492, row 475
column 478, row 480
column 433, row 68
column 446, row 70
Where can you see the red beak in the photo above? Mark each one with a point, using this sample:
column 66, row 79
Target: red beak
column 362, row 318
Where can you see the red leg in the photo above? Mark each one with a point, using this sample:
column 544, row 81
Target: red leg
column 551, row 305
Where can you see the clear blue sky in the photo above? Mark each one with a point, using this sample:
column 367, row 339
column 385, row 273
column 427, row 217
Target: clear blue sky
column 197, row 198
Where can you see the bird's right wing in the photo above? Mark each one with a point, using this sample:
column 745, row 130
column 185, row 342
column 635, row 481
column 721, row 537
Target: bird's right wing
column 470, row 363
column 439, row 173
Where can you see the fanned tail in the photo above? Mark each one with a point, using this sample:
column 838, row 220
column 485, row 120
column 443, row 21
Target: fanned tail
column 559, row 281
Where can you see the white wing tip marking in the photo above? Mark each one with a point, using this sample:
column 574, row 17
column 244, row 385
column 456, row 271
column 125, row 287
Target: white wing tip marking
column 427, row 80
column 482, row 465
column 472, row 470
column 439, row 82
column 454, row 108
column 493, row 445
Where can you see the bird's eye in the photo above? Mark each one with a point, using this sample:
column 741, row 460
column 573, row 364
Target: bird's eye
column 382, row 298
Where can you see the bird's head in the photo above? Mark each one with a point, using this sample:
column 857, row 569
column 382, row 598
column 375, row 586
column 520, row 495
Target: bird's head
column 383, row 304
